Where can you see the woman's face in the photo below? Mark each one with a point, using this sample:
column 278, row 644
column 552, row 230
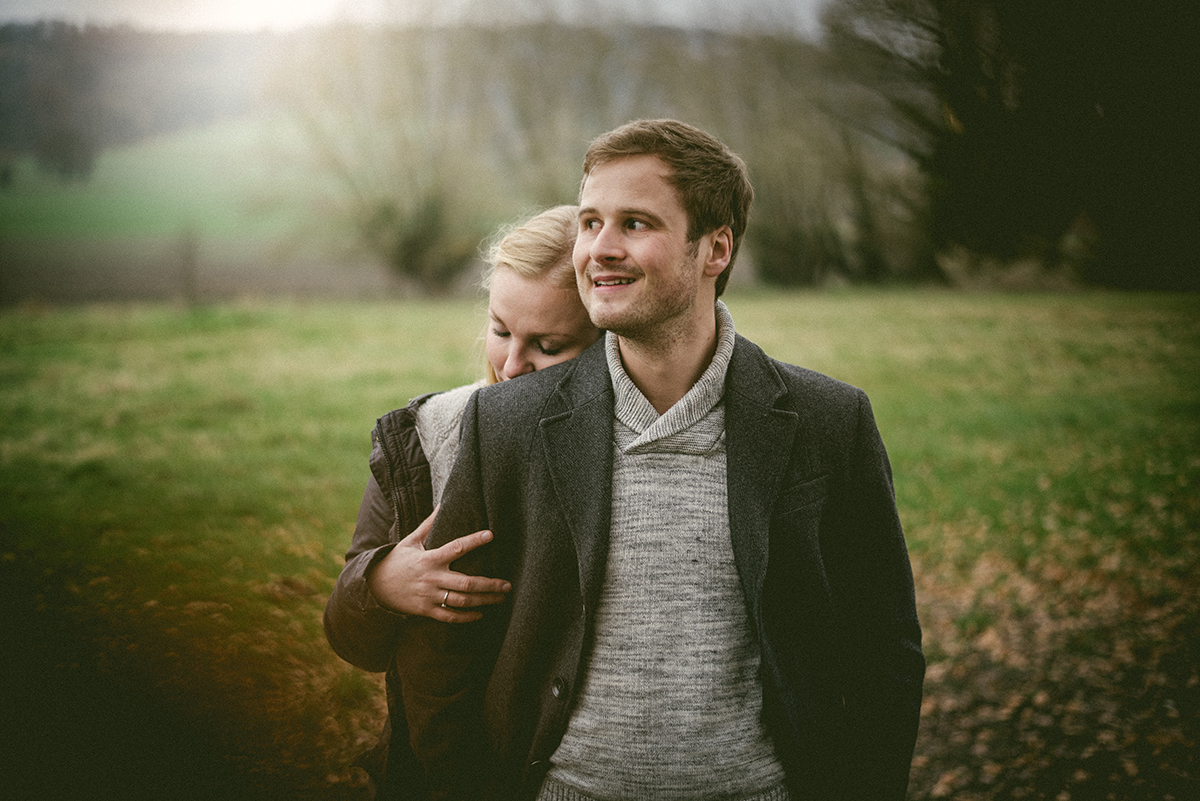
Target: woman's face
column 533, row 324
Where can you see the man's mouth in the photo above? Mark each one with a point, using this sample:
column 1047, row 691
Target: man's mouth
column 614, row 281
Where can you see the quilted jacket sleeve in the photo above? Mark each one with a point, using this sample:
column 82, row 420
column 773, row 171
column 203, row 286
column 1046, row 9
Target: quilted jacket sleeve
column 398, row 496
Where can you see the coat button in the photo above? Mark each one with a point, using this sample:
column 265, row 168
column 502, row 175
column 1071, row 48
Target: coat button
column 559, row 688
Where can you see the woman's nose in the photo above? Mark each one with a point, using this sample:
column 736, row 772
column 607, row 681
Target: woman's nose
column 517, row 363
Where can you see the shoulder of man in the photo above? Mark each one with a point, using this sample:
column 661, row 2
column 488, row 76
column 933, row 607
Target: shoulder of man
column 831, row 416
column 788, row 385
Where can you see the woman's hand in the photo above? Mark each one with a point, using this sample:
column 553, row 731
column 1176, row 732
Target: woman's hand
column 415, row 581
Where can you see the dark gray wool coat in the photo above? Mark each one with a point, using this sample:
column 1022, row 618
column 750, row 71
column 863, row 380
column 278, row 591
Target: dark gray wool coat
column 817, row 544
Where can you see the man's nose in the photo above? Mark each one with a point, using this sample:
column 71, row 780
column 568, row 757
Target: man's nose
column 607, row 245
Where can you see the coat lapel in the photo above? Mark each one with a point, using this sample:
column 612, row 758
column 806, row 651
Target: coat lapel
column 758, row 443
column 577, row 438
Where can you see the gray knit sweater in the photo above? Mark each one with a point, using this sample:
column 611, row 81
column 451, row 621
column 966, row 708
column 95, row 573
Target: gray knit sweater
column 670, row 705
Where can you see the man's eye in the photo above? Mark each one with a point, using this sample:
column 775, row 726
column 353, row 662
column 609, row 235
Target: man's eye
column 637, row 225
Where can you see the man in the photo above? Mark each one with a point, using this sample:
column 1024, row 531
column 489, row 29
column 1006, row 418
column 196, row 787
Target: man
column 711, row 592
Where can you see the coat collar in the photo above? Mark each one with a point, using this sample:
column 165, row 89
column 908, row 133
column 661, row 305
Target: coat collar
column 576, row 433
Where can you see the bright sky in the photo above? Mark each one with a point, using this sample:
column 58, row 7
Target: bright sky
column 180, row 14
column 287, row 14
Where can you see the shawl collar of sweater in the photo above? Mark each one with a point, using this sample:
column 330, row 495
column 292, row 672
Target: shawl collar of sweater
column 677, row 427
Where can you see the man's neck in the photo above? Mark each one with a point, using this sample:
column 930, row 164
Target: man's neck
column 664, row 370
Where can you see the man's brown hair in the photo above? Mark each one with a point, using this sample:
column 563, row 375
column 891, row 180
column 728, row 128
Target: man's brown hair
column 710, row 179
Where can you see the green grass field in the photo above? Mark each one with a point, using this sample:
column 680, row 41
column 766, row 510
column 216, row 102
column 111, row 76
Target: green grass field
column 178, row 488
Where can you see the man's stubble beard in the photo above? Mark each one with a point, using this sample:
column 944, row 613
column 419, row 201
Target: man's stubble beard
column 649, row 319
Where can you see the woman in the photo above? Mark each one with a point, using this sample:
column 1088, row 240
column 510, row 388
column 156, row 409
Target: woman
column 535, row 320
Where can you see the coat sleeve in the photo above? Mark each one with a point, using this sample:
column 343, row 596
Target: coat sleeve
column 883, row 696
column 358, row 628
column 444, row 668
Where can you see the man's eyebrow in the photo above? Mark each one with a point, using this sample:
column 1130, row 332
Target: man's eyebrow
column 627, row 212
column 649, row 215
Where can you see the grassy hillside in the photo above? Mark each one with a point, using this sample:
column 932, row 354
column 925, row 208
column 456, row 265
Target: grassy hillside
column 219, row 180
column 178, row 488
column 218, row 212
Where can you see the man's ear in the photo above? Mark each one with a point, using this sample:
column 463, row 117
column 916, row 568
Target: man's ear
column 719, row 251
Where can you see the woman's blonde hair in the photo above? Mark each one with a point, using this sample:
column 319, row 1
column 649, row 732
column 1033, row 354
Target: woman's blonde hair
column 540, row 246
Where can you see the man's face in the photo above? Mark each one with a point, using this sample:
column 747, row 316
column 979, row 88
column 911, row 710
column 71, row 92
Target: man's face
column 637, row 274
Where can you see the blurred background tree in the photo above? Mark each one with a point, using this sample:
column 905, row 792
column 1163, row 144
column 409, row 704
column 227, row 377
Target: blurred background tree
column 49, row 104
column 382, row 119
column 1053, row 131
column 67, row 93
